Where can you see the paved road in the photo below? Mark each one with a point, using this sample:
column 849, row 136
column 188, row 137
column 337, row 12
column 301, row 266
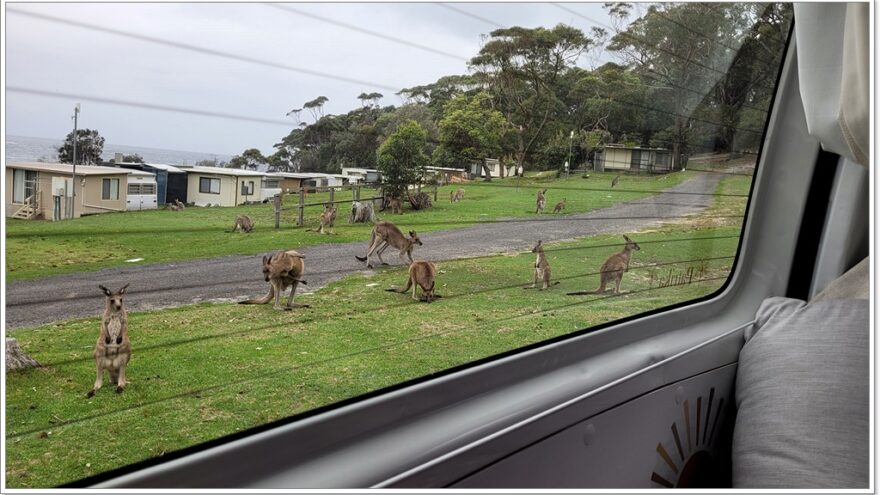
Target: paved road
column 237, row 277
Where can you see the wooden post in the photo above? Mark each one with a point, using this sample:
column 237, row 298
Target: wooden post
column 332, row 189
column 435, row 192
column 277, row 204
column 356, row 192
column 302, row 201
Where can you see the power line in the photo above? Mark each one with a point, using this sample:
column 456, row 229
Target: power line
column 149, row 106
column 352, row 27
column 198, row 49
column 469, row 14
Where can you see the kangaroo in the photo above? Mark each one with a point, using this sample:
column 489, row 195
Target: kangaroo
column 282, row 270
column 244, row 224
column 327, row 218
column 613, row 268
column 541, row 201
column 113, row 349
column 542, row 268
column 173, row 207
column 615, row 181
column 395, row 206
column 559, row 206
column 421, row 274
column 456, row 196
column 386, row 234
column 180, row 205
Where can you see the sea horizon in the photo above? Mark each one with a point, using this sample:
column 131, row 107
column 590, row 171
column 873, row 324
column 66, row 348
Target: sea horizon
column 34, row 148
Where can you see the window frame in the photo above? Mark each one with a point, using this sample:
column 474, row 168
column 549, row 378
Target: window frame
column 107, row 187
column 469, row 416
column 210, row 183
column 247, row 188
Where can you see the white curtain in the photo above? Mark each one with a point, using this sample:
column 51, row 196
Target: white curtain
column 833, row 68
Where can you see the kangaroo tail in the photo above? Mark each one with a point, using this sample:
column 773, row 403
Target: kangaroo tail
column 263, row 300
column 583, row 293
column 360, row 258
column 405, row 289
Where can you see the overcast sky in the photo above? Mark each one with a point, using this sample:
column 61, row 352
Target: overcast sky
column 49, row 56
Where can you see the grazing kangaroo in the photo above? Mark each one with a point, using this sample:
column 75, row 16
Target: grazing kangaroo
column 613, row 268
column 456, row 196
column 244, row 224
column 327, row 218
column 386, row 234
column 282, row 270
column 542, row 268
column 615, row 181
column 541, row 201
column 559, row 206
column 113, row 349
column 421, row 274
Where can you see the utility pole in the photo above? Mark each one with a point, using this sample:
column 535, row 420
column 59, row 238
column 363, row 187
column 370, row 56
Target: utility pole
column 75, row 118
column 570, row 138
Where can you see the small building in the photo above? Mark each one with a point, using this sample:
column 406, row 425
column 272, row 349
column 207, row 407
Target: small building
column 45, row 190
column 633, row 158
column 362, row 175
column 496, row 169
column 445, row 175
column 141, row 191
column 223, row 186
column 171, row 183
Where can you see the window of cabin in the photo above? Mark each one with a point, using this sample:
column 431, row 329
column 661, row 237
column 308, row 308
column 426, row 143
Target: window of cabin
column 209, row 185
column 110, row 189
column 247, row 188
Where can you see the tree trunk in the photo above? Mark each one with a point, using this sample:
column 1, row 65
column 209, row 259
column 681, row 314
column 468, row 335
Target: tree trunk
column 487, row 172
column 16, row 358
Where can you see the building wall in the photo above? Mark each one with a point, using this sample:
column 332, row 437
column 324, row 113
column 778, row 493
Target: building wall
column 227, row 190
column 617, row 159
column 89, row 196
column 290, row 184
column 177, row 188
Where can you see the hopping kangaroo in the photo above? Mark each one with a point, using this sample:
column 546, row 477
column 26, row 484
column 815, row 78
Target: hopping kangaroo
column 282, row 270
column 542, row 268
column 387, row 234
column 613, row 268
column 541, row 200
column 244, row 224
column 421, row 274
column 113, row 349
column 559, row 206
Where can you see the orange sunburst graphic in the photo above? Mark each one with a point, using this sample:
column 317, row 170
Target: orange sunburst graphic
column 684, row 460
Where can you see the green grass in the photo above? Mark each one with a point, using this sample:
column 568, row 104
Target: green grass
column 200, row 372
column 36, row 249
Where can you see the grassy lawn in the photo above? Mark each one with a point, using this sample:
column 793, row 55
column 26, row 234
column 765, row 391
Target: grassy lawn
column 108, row 240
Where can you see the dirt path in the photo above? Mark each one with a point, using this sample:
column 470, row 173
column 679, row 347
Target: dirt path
column 35, row 302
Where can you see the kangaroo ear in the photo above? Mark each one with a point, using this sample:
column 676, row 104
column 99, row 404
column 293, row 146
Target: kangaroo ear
column 265, row 259
column 412, row 233
column 627, row 238
column 106, row 290
column 122, row 290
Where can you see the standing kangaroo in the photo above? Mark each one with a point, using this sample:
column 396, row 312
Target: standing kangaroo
column 113, row 349
column 559, row 206
column 456, row 196
column 244, row 224
column 386, row 234
column 327, row 218
column 421, row 274
column 542, row 268
column 541, row 200
column 282, row 270
column 613, row 269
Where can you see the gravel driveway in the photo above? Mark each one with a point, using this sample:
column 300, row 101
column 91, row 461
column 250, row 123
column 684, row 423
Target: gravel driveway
column 238, row 277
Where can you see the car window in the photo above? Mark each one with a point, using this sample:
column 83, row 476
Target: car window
column 460, row 181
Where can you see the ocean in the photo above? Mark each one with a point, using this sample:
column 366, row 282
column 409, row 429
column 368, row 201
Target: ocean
column 31, row 149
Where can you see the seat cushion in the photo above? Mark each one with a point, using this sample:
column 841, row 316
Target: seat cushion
column 802, row 396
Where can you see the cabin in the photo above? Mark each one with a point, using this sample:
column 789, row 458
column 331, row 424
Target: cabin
column 141, row 191
column 496, row 169
column 223, row 186
column 171, row 183
column 446, row 175
column 36, row 190
column 361, row 175
column 633, row 158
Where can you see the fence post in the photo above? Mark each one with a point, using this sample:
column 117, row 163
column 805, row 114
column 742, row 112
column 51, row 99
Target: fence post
column 302, row 201
column 332, row 190
column 277, row 204
column 435, row 192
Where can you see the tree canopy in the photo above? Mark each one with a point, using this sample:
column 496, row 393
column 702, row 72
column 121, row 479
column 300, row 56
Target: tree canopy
column 89, row 146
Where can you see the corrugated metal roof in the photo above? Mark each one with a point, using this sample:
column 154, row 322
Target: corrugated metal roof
column 67, row 169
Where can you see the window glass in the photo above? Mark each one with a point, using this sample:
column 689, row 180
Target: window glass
column 563, row 166
column 18, row 186
column 110, row 189
column 134, row 189
column 148, row 188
